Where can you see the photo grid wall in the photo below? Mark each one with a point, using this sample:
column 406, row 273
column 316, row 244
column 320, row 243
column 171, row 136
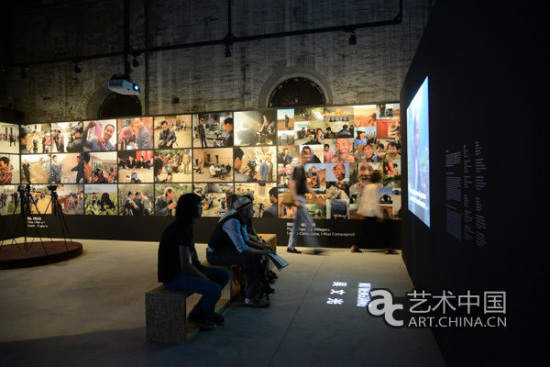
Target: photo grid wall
column 140, row 166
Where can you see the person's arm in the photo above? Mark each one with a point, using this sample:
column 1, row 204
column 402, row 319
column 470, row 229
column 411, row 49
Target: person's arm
column 233, row 229
column 186, row 263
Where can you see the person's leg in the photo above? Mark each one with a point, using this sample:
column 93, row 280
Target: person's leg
column 210, row 290
column 311, row 240
column 248, row 268
column 293, row 238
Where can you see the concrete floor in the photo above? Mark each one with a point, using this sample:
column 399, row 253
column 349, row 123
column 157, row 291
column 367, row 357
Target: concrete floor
column 90, row 311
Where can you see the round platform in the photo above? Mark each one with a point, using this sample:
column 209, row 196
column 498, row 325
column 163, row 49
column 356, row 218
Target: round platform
column 23, row 255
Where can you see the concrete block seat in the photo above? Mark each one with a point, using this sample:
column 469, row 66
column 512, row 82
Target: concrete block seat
column 166, row 313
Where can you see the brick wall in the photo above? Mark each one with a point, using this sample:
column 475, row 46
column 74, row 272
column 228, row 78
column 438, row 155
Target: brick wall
column 203, row 78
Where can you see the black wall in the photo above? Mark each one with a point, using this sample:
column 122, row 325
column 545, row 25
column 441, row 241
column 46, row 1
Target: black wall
column 484, row 66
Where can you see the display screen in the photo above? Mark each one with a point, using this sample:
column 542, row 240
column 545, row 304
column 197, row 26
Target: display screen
column 418, row 154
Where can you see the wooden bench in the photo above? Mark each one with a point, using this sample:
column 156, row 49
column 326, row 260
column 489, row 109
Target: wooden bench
column 166, row 313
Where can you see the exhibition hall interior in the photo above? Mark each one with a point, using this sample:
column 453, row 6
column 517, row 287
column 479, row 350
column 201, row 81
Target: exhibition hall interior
column 270, row 183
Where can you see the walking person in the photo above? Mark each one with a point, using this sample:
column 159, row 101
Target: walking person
column 299, row 187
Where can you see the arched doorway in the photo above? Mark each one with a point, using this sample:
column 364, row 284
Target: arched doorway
column 119, row 105
column 297, row 92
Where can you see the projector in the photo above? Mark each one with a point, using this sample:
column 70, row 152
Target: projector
column 121, row 85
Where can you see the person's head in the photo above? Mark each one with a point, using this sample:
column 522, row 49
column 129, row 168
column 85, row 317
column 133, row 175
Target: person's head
column 4, row 162
column 54, row 158
column 169, row 194
column 238, row 154
column 273, row 195
column 201, row 121
column 85, row 156
column 328, row 130
column 157, row 166
column 130, row 195
column 367, row 150
column 313, row 169
column 380, row 150
column 306, row 155
column 23, row 137
column 361, row 135
column 164, row 125
column 376, row 176
column 285, row 151
column 339, row 171
column 137, row 123
column 342, row 146
column 108, row 132
column 228, row 124
column 319, row 132
column 392, row 149
column 326, row 147
column 189, row 207
column 243, row 206
column 138, row 195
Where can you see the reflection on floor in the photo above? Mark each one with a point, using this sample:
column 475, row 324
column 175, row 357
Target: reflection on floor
column 91, row 311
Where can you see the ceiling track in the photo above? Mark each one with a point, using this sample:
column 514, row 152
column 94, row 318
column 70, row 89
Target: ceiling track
column 228, row 40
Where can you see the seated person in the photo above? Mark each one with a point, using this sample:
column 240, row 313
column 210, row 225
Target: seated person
column 230, row 245
column 179, row 267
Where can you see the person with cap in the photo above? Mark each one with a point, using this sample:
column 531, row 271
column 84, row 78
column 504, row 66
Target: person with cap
column 230, row 245
column 179, row 267
column 75, row 145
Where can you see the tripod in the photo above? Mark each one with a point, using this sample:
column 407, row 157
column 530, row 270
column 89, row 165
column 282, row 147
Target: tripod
column 25, row 200
column 57, row 210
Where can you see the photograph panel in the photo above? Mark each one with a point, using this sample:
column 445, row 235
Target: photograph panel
column 173, row 165
column 9, row 200
column 256, row 164
column 9, row 169
column 212, row 130
column 103, row 167
column 71, row 198
column 66, row 137
column 215, row 198
column 166, row 197
column 213, row 165
column 285, row 119
column 9, row 138
column 264, row 196
column 135, row 166
column 35, row 138
column 40, row 200
column 101, row 199
column 135, row 133
column 255, row 128
column 173, row 132
column 136, row 199
column 35, row 168
column 100, row 135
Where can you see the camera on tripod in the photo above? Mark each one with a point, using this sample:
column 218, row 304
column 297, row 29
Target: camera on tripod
column 52, row 187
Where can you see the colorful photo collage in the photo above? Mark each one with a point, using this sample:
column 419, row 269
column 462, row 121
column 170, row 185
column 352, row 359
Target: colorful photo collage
column 140, row 166
column 341, row 147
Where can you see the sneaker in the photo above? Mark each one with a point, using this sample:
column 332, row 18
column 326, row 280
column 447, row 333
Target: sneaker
column 256, row 303
column 293, row 250
column 202, row 323
column 217, row 319
column 356, row 249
